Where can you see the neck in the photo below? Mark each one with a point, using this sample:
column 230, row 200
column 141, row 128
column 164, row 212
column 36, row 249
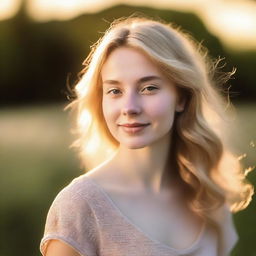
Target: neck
column 146, row 167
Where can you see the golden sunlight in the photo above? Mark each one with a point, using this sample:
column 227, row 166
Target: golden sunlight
column 44, row 10
column 92, row 145
column 96, row 150
column 85, row 119
column 234, row 23
column 8, row 8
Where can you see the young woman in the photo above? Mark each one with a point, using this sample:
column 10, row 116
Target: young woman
column 152, row 119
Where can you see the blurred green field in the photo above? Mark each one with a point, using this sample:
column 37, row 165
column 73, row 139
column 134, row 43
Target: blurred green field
column 36, row 162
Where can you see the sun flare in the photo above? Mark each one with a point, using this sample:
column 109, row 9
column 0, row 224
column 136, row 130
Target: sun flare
column 233, row 22
column 8, row 8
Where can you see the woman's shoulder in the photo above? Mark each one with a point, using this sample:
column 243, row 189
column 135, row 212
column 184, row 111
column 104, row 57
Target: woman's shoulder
column 71, row 218
column 78, row 184
column 83, row 191
column 76, row 190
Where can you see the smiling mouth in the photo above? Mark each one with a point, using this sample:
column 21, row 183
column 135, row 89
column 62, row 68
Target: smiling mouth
column 134, row 124
column 134, row 128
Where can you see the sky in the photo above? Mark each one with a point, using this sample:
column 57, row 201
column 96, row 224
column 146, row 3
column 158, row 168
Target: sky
column 232, row 21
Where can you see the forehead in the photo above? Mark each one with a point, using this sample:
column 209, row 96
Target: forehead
column 127, row 62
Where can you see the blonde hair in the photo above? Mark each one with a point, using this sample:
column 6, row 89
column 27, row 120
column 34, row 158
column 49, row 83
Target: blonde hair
column 210, row 172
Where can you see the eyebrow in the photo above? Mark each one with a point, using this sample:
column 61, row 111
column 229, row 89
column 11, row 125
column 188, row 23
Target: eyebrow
column 139, row 81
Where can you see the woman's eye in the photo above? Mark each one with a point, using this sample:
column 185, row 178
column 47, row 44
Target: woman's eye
column 150, row 88
column 113, row 91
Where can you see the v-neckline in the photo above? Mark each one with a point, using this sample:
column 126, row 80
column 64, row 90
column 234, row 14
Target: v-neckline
column 189, row 249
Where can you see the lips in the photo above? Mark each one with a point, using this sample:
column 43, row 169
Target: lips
column 133, row 128
column 133, row 124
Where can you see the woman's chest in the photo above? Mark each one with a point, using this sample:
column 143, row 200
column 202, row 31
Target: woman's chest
column 159, row 218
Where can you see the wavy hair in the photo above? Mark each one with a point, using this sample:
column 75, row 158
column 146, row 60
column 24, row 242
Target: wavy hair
column 210, row 173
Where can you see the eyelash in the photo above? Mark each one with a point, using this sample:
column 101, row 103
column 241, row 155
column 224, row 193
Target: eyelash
column 150, row 86
column 155, row 88
column 109, row 92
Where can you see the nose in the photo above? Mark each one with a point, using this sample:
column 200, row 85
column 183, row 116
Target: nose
column 131, row 105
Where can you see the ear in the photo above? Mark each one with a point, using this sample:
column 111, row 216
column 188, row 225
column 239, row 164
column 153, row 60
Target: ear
column 180, row 104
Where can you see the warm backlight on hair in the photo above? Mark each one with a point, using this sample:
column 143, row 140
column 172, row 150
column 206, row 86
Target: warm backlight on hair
column 92, row 145
column 84, row 120
column 96, row 150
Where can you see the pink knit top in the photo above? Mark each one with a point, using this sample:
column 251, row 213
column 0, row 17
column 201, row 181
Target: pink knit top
column 83, row 216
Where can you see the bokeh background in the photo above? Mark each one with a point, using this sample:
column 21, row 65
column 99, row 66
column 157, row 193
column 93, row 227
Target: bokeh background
column 42, row 46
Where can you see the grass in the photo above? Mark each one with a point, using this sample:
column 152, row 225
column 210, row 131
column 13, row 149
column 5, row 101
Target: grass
column 36, row 163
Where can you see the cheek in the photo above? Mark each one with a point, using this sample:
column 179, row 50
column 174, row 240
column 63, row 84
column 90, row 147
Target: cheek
column 162, row 108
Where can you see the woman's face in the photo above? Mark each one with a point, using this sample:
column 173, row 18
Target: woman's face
column 139, row 103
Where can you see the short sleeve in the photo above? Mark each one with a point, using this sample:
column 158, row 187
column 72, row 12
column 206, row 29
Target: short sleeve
column 71, row 220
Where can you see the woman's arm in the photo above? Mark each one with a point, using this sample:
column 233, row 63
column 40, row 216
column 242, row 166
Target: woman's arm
column 58, row 248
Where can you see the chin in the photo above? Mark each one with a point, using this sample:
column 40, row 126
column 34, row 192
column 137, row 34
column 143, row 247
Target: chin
column 136, row 145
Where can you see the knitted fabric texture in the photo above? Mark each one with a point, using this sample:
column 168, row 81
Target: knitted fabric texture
column 83, row 216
